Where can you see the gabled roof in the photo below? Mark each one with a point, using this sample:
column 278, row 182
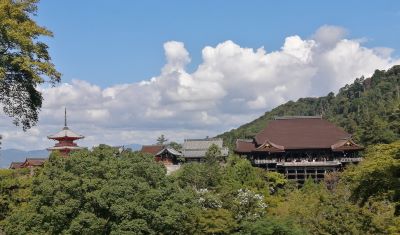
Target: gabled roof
column 65, row 132
column 34, row 162
column 270, row 147
column 170, row 151
column 16, row 165
column 152, row 149
column 345, row 144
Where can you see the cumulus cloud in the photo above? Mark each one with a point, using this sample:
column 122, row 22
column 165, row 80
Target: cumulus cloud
column 231, row 86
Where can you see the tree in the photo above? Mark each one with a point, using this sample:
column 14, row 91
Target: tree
column 161, row 140
column 213, row 155
column 271, row 226
column 217, row 221
column 94, row 192
column 175, row 145
column 378, row 175
column 24, row 61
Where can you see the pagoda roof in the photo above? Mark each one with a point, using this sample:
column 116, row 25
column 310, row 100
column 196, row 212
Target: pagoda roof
column 296, row 133
column 66, row 133
column 65, row 147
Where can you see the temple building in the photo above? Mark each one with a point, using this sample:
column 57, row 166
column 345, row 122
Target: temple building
column 194, row 150
column 30, row 163
column 65, row 138
column 168, row 156
column 165, row 154
column 300, row 147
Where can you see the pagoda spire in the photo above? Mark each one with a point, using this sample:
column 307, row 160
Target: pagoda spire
column 65, row 116
column 65, row 138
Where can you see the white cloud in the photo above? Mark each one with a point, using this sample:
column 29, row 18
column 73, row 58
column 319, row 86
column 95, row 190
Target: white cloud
column 231, row 86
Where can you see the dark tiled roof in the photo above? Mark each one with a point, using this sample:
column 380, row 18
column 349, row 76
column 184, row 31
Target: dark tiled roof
column 152, row 149
column 16, row 165
column 34, row 162
column 300, row 133
column 244, row 146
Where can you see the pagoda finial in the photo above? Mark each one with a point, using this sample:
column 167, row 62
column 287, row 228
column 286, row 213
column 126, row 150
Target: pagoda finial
column 65, row 116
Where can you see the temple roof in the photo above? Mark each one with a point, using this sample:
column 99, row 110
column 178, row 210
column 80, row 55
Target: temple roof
column 152, row 149
column 245, row 145
column 34, row 162
column 290, row 133
column 197, row 148
column 66, row 132
column 169, row 150
column 16, row 165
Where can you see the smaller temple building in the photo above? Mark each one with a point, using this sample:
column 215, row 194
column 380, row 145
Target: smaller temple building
column 194, row 150
column 168, row 156
column 65, row 138
column 300, row 147
column 164, row 154
column 30, row 163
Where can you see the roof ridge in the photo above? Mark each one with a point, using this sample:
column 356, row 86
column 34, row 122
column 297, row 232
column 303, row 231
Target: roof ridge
column 297, row 117
column 206, row 139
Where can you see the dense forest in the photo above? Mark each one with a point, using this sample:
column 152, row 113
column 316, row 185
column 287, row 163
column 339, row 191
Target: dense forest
column 369, row 109
column 104, row 191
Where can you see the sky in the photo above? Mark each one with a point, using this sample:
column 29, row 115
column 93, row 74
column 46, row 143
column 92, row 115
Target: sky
column 133, row 70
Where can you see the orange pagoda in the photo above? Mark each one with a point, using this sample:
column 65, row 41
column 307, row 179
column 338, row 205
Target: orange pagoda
column 65, row 138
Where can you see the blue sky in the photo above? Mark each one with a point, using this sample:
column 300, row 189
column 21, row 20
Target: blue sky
column 113, row 42
column 133, row 70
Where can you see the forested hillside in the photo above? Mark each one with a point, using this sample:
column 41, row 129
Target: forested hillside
column 369, row 109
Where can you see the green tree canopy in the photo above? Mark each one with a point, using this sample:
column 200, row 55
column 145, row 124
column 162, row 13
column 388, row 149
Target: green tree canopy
column 24, row 61
column 161, row 140
column 94, row 192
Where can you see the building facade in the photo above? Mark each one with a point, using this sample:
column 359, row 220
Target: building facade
column 300, row 147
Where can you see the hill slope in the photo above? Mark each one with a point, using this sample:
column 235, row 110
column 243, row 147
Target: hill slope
column 368, row 108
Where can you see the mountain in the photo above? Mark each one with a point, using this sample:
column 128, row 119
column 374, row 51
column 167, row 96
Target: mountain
column 368, row 108
column 15, row 155
column 134, row 147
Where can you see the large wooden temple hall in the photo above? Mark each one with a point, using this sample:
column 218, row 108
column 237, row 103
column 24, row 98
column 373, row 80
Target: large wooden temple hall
column 300, row 147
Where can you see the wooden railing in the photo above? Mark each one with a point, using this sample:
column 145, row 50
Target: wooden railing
column 264, row 161
column 326, row 163
column 351, row 159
